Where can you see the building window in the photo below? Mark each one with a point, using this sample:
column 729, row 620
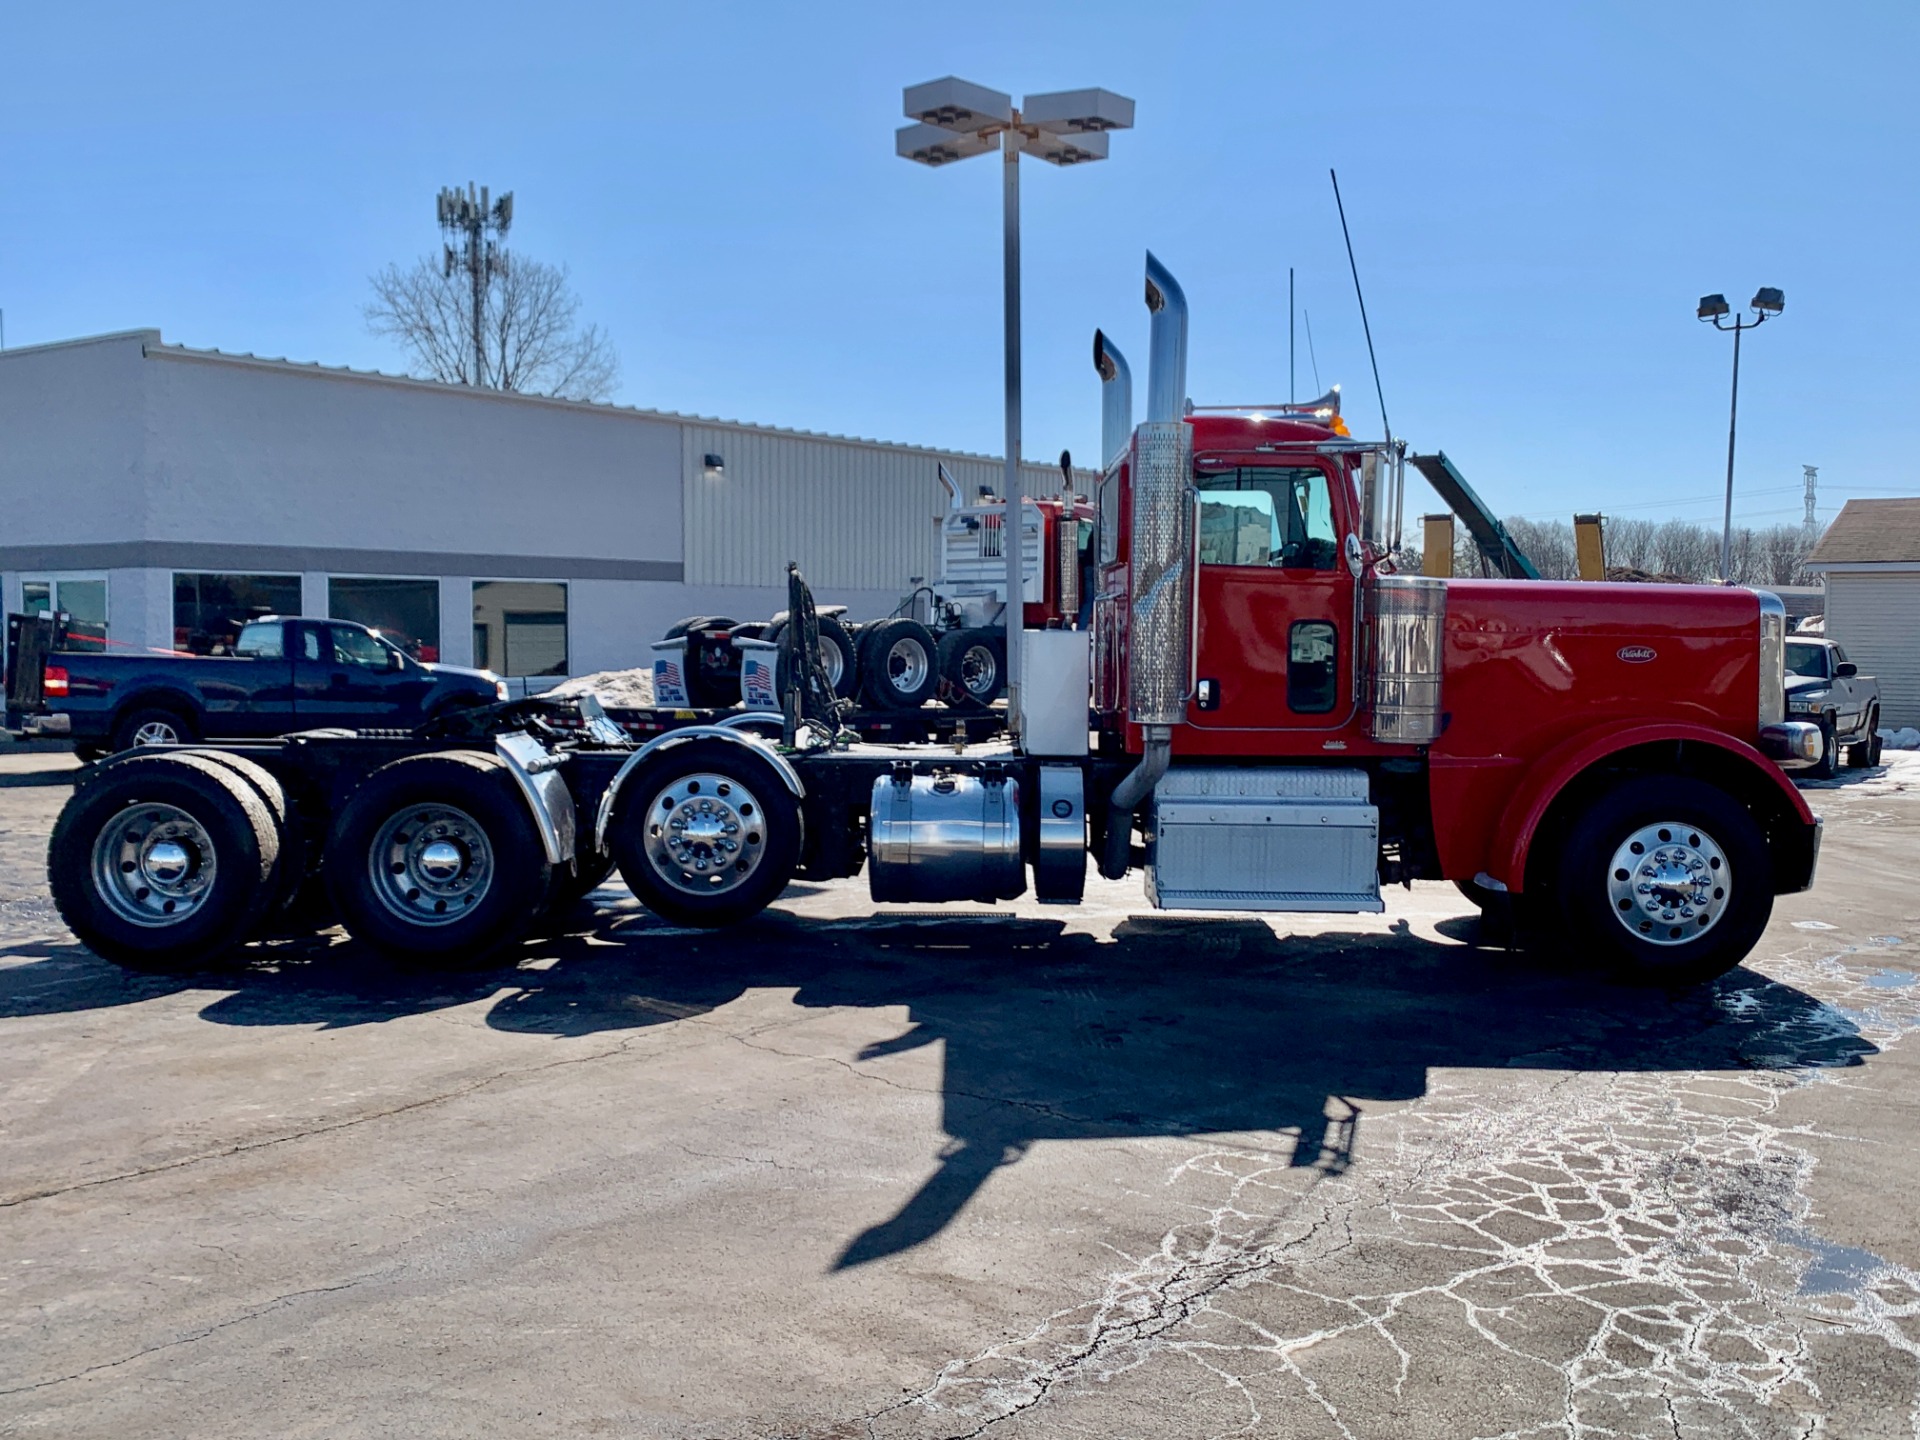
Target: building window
column 407, row 612
column 208, row 610
column 520, row 626
column 82, row 597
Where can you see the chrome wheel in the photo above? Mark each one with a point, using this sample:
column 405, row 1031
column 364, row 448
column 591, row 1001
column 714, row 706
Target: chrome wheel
column 1669, row 883
column 907, row 665
column 157, row 732
column 430, row 864
column 153, row 865
column 705, row 834
column 833, row 662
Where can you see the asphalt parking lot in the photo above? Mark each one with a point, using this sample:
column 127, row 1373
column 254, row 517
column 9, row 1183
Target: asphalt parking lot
column 853, row 1172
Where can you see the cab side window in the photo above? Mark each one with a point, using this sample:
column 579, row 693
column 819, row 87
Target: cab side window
column 1280, row 517
column 356, row 647
column 310, row 645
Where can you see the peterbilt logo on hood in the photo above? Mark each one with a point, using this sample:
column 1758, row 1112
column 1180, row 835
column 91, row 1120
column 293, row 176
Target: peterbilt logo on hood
column 1636, row 654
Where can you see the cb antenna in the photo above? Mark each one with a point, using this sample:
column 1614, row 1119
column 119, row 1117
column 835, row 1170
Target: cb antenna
column 1379, row 394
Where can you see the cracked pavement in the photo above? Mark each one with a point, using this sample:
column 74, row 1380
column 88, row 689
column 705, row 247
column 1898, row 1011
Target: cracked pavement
column 898, row 1175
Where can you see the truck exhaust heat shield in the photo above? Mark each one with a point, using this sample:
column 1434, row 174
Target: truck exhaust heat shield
column 1159, row 642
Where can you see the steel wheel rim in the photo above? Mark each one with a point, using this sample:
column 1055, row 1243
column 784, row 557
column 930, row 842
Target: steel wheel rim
column 154, row 865
column 1669, row 883
column 156, row 732
column 979, row 670
column 832, row 661
column 706, row 834
column 430, row 864
column 907, row 664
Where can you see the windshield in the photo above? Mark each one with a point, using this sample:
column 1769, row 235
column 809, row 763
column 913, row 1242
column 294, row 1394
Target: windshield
column 1805, row 659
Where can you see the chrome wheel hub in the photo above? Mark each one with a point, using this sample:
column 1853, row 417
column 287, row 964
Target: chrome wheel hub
column 705, row 834
column 154, row 865
column 1669, row 883
column 430, row 864
column 156, row 732
column 978, row 670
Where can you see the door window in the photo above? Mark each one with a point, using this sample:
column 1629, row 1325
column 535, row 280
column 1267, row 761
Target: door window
column 356, row 647
column 1278, row 516
column 1313, row 676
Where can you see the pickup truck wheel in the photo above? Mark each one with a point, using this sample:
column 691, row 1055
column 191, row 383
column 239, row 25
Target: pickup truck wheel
column 1829, row 765
column 707, row 834
column 151, row 725
column 898, row 668
column 1663, row 880
column 163, row 863
column 435, row 859
column 1866, row 754
column 974, row 665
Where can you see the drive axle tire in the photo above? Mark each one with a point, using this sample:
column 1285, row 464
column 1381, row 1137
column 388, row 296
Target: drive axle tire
column 435, row 860
column 164, row 862
column 706, row 833
column 838, row 653
column 1663, row 879
column 152, row 725
column 974, row 665
column 899, row 669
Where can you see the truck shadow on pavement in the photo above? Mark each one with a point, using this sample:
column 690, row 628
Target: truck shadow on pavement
column 1169, row 1027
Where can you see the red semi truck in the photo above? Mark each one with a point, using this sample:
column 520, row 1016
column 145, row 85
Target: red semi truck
column 1264, row 717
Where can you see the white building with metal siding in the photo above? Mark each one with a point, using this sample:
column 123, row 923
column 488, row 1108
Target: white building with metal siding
column 152, row 490
column 1870, row 561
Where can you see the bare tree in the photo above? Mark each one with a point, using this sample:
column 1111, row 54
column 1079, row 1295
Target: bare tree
column 1630, row 543
column 534, row 342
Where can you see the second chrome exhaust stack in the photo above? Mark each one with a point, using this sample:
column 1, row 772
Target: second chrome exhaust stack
column 1160, row 642
column 1116, row 397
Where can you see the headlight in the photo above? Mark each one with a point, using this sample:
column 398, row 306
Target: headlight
column 1808, row 699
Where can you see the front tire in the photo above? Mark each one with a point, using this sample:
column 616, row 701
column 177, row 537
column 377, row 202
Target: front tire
column 1829, row 764
column 435, row 859
column 1662, row 880
column 164, row 862
column 707, row 834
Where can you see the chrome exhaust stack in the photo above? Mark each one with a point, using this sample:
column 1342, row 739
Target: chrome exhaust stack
column 1116, row 397
column 1160, row 639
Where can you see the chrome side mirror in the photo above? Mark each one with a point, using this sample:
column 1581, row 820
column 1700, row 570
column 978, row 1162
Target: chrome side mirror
column 1356, row 557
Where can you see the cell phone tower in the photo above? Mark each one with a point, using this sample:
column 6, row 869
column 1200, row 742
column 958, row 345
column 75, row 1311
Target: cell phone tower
column 476, row 222
column 1812, row 473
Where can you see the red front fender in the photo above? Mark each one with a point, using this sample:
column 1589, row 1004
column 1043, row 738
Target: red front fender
column 1553, row 772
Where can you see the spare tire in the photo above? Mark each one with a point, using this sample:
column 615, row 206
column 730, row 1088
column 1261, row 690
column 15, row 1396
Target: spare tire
column 898, row 664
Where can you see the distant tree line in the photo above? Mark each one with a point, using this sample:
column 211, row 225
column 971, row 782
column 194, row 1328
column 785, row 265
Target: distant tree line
column 1669, row 550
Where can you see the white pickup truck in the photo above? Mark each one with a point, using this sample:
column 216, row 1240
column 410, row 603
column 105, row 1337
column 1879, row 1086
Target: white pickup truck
column 1827, row 688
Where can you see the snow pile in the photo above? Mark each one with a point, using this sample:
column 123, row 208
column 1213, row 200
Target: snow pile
column 1905, row 738
column 623, row 689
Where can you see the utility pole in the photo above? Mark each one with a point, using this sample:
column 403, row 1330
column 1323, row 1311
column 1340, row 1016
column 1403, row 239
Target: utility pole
column 471, row 219
column 1812, row 474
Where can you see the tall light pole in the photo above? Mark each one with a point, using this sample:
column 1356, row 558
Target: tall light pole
column 470, row 218
column 1765, row 304
column 1065, row 127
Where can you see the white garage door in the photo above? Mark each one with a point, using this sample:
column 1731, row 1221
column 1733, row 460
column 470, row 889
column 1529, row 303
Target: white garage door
column 1876, row 619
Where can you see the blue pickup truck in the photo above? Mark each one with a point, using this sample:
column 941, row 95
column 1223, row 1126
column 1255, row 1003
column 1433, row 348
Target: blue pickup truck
column 285, row 674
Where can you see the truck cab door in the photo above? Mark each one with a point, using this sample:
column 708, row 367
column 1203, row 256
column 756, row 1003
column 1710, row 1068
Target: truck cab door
column 344, row 677
column 1274, row 622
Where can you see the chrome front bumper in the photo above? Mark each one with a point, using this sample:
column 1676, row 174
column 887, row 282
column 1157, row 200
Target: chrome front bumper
column 1791, row 744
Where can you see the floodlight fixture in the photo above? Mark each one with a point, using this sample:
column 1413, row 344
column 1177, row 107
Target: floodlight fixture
column 1072, row 112
column 1066, row 150
column 934, row 146
column 1768, row 301
column 958, row 105
column 1712, row 305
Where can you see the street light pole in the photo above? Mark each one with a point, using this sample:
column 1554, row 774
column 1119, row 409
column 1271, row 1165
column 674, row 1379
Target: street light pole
column 1765, row 304
column 1012, row 532
column 1067, row 127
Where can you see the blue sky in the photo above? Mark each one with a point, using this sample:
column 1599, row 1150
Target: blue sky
column 1539, row 194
